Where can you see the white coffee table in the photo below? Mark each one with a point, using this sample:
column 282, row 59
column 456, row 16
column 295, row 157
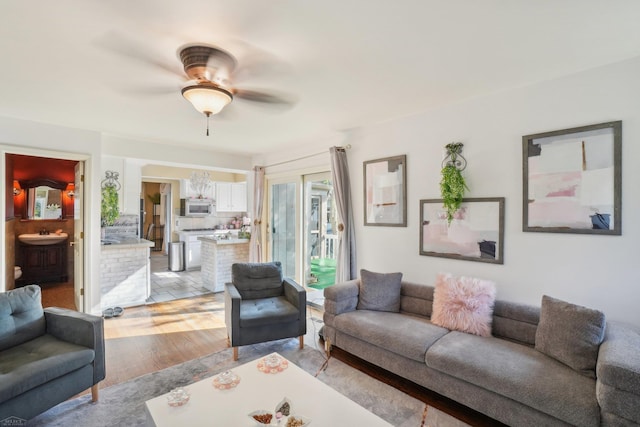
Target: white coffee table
column 310, row 397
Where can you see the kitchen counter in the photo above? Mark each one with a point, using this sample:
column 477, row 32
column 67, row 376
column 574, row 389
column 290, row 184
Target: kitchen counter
column 122, row 242
column 219, row 241
column 217, row 257
column 125, row 271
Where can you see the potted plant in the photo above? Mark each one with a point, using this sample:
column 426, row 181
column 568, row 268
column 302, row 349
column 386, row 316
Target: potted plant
column 452, row 184
column 109, row 205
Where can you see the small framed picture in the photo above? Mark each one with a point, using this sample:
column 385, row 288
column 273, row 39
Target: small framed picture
column 385, row 192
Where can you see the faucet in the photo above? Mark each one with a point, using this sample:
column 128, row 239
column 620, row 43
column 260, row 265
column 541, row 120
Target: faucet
column 43, row 232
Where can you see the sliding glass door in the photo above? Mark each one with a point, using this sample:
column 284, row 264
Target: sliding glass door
column 320, row 236
column 301, row 231
column 283, row 225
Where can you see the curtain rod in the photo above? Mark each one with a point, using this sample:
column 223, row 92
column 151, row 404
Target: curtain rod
column 346, row 147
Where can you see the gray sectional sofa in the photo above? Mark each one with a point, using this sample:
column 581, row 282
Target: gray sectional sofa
column 46, row 356
column 503, row 376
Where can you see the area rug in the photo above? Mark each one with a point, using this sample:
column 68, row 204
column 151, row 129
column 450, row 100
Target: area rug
column 123, row 404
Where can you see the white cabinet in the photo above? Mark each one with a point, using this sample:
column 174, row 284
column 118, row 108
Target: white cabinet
column 231, row 196
column 186, row 192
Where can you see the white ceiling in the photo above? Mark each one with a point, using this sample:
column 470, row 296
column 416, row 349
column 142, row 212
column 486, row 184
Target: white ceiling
column 349, row 62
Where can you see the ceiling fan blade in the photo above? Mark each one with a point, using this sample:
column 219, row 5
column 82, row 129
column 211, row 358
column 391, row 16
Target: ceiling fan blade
column 127, row 46
column 279, row 99
column 254, row 62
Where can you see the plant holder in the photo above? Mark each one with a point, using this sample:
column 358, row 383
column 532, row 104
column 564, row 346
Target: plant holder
column 454, row 156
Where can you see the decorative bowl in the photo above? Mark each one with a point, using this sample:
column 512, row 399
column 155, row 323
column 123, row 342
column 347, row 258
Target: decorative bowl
column 295, row 420
column 226, row 380
column 177, row 397
column 261, row 417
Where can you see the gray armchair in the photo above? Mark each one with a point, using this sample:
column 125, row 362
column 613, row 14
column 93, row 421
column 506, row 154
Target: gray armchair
column 46, row 356
column 261, row 305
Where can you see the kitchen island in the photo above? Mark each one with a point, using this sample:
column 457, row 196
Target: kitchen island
column 125, row 276
column 217, row 257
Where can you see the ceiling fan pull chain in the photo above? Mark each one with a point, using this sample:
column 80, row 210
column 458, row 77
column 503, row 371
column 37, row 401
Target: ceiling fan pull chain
column 208, row 116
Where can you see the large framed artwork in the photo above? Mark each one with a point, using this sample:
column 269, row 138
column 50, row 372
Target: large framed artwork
column 572, row 180
column 476, row 232
column 385, row 192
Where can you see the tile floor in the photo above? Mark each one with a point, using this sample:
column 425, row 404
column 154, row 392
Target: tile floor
column 169, row 285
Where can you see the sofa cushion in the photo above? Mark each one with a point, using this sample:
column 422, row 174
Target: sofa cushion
column 571, row 334
column 38, row 361
column 379, row 291
column 21, row 316
column 519, row 373
column 464, row 304
column 406, row 335
column 267, row 311
column 258, row 280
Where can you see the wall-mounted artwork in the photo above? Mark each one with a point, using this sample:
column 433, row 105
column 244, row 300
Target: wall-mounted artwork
column 385, row 192
column 572, row 180
column 476, row 232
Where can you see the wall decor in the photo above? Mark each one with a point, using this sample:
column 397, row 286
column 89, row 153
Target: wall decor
column 385, row 192
column 572, row 180
column 452, row 183
column 476, row 232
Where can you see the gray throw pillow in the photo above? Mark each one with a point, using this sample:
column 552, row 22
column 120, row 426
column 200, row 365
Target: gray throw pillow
column 379, row 291
column 570, row 334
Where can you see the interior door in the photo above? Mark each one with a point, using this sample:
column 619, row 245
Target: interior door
column 78, row 237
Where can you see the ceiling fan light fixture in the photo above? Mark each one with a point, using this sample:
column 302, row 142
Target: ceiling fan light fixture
column 208, row 99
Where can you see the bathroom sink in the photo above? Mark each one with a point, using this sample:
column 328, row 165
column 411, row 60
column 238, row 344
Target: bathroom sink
column 42, row 239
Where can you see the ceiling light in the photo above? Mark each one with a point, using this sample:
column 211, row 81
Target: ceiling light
column 207, row 98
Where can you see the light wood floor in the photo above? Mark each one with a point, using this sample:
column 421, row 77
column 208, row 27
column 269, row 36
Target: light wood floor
column 156, row 336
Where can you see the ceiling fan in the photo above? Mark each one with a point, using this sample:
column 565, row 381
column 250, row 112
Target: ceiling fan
column 210, row 71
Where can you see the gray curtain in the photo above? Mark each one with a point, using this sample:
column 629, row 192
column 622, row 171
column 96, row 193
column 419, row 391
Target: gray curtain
column 346, row 259
column 255, row 248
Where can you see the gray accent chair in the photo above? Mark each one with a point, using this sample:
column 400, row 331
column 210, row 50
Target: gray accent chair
column 261, row 305
column 46, row 356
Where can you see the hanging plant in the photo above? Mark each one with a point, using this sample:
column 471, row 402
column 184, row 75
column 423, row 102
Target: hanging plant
column 452, row 184
column 109, row 205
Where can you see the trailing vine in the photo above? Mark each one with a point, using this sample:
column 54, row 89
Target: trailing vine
column 452, row 184
column 109, row 205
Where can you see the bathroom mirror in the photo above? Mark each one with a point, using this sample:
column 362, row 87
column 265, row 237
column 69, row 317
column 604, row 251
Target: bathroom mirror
column 43, row 199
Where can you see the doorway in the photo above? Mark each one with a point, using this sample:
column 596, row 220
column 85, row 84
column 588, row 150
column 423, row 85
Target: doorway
column 319, row 231
column 45, row 199
column 301, row 228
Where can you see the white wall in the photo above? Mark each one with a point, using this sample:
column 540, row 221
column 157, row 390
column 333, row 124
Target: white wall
column 39, row 139
column 601, row 272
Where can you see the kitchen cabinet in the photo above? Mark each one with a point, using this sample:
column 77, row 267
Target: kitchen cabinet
column 186, row 192
column 231, row 196
column 46, row 263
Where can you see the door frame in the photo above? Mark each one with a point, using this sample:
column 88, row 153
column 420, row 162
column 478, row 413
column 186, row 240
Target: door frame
column 80, row 257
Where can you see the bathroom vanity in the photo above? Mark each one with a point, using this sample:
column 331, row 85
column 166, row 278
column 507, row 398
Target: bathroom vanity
column 43, row 263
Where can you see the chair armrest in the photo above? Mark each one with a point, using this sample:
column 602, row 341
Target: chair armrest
column 618, row 372
column 294, row 293
column 82, row 329
column 232, row 301
column 341, row 297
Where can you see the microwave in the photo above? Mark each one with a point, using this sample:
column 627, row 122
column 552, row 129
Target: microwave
column 196, row 207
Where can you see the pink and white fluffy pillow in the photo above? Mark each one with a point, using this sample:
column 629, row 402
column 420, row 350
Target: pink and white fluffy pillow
column 464, row 304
